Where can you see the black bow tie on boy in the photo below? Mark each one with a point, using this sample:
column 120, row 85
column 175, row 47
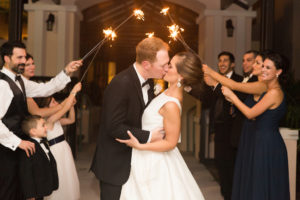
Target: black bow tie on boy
column 45, row 142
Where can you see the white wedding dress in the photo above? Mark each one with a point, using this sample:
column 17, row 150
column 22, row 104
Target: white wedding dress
column 68, row 183
column 159, row 175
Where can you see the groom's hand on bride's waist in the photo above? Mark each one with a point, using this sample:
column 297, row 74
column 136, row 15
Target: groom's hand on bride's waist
column 157, row 134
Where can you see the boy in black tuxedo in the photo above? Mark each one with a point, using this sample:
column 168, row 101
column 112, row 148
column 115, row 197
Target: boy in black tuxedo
column 38, row 173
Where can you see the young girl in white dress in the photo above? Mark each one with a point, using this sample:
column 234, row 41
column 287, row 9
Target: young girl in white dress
column 158, row 170
column 67, row 175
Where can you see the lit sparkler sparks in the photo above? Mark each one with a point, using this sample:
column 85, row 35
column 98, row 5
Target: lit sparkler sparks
column 150, row 34
column 175, row 31
column 165, row 11
column 139, row 14
column 109, row 33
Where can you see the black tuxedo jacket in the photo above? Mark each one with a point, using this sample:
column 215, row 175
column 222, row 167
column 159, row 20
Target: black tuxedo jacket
column 215, row 100
column 238, row 121
column 220, row 110
column 122, row 109
column 38, row 175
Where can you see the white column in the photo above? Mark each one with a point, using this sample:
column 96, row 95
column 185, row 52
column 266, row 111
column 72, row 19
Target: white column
column 61, row 39
column 36, row 38
column 52, row 50
column 240, row 42
column 217, row 32
column 290, row 138
column 216, row 39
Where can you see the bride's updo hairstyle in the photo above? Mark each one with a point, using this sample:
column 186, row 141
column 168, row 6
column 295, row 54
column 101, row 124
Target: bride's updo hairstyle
column 189, row 66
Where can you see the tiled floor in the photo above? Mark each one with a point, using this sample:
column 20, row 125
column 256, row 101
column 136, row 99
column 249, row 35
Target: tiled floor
column 90, row 188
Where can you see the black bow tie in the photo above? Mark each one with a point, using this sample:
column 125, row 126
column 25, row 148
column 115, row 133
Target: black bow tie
column 147, row 82
column 45, row 142
column 18, row 78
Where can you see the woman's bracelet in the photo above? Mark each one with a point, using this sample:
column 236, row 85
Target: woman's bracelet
column 74, row 93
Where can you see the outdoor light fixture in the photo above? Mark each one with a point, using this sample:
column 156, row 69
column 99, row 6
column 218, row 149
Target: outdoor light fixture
column 229, row 28
column 50, row 22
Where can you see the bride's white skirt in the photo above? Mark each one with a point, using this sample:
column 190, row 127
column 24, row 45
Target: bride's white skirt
column 160, row 175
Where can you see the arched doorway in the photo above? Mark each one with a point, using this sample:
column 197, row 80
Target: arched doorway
column 122, row 51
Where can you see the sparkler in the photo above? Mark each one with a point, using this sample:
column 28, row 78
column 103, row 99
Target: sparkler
column 139, row 14
column 150, row 34
column 110, row 34
column 175, row 32
column 165, row 11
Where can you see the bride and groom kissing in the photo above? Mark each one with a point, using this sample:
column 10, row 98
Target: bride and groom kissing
column 136, row 155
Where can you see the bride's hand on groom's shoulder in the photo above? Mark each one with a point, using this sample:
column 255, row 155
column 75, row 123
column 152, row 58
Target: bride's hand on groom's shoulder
column 132, row 142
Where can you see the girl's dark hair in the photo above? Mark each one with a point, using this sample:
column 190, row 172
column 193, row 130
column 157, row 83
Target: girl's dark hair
column 43, row 102
column 189, row 67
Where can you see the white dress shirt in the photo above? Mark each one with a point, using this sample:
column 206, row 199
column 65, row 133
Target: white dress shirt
column 144, row 91
column 42, row 145
column 228, row 75
column 246, row 79
column 33, row 89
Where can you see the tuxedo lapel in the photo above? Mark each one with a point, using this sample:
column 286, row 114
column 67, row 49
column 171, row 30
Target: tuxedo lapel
column 137, row 84
column 39, row 150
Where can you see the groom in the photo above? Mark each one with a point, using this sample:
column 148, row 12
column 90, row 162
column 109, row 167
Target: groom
column 124, row 101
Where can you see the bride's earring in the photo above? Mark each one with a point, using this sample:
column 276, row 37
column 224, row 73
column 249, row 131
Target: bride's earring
column 178, row 83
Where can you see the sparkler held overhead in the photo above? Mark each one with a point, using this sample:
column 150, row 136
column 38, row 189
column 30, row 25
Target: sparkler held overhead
column 175, row 32
column 139, row 14
column 110, row 35
column 150, row 34
column 174, row 29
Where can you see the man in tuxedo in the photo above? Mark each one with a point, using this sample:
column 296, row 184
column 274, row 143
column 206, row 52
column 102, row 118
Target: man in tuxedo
column 124, row 101
column 13, row 108
column 238, row 121
column 38, row 173
column 225, row 120
column 222, row 114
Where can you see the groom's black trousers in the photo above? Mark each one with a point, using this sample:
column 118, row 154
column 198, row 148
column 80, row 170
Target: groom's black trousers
column 109, row 191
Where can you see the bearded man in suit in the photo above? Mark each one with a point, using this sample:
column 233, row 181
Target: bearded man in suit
column 124, row 101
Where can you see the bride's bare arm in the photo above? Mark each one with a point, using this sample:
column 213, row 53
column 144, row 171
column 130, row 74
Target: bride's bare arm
column 249, row 88
column 171, row 121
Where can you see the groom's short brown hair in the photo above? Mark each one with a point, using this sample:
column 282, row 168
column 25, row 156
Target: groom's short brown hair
column 148, row 48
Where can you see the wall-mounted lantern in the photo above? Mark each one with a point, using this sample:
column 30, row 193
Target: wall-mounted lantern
column 229, row 28
column 50, row 22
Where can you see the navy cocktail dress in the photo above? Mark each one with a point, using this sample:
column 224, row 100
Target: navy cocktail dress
column 261, row 171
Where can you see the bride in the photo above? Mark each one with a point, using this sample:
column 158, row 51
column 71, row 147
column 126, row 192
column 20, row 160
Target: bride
column 158, row 170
